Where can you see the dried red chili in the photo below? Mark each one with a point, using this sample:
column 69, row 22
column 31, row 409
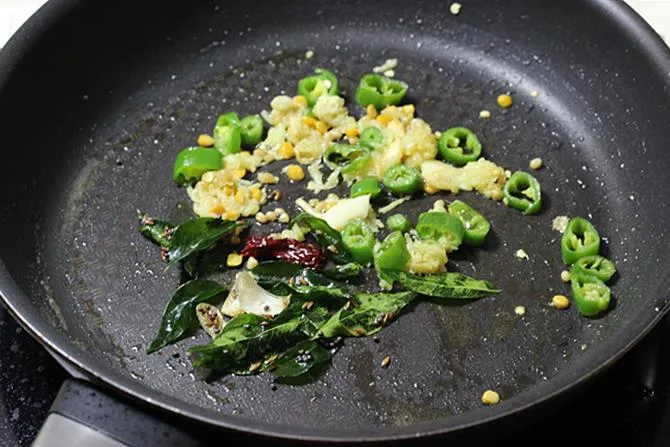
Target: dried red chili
column 289, row 250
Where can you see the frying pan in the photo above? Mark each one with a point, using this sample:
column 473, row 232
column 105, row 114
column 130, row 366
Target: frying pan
column 96, row 99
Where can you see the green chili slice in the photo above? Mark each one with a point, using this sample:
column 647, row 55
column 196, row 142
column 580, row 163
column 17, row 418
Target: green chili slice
column 476, row 226
column 228, row 134
column 251, row 129
column 522, row 192
column 398, row 222
column 596, row 265
column 349, row 158
column 380, row 91
column 371, row 137
column 193, row 162
column 323, row 82
column 392, row 253
column 402, row 180
column 367, row 185
column 359, row 240
column 445, row 228
column 459, row 146
column 591, row 295
column 579, row 239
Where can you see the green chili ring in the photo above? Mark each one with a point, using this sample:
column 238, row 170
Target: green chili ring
column 522, row 191
column 398, row 222
column 367, row 185
column 380, row 91
column 371, row 137
column 476, row 226
column 228, row 134
column 579, row 239
column 349, row 158
column 323, row 82
column 251, row 129
column 590, row 294
column 402, row 180
column 596, row 265
column 359, row 240
column 451, row 144
column 193, row 162
column 445, row 228
column 391, row 253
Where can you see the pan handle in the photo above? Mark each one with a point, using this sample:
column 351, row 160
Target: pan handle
column 84, row 415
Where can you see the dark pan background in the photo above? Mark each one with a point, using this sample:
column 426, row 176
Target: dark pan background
column 93, row 125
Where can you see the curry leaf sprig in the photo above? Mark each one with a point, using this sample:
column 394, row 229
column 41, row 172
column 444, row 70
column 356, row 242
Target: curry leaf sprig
column 305, row 335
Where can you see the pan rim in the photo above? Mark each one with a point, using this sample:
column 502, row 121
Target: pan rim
column 20, row 307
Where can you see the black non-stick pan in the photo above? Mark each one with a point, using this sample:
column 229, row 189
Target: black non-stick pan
column 97, row 98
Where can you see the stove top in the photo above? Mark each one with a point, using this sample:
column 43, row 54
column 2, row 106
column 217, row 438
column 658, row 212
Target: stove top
column 629, row 405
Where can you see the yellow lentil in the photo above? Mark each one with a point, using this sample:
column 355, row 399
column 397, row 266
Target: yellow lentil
column 295, row 173
column 300, row 101
column 384, row 119
column 565, row 276
column 535, row 164
column 251, row 263
column 321, row 127
column 560, row 302
column 260, row 217
column 234, row 260
column 218, row 209
column 286, row 151
column 490, row 397
column 239, row 197
column 205, row 140
column 504, row 101
column 309, row 121
column 231, row 215
column 351, row 133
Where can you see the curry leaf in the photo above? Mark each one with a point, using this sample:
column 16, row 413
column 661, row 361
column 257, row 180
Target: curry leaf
column 199, row 234
column 368, row 316
column 156, row 230
column 326, row 236
column 328, row 297
column 344, row 271
column 276, row 272
column 246, row 337
column 301, row 359
column 444, row 285
column 179, row 317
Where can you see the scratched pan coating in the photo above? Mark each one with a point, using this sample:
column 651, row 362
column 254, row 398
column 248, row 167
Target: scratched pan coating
column 111, row 113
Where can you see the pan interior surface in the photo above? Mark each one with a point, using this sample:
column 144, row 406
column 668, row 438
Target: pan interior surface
column 108, row 116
